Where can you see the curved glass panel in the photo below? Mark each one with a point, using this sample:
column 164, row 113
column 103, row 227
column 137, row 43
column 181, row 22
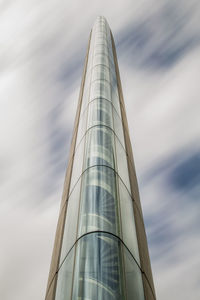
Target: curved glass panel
column 65, row 276
column 118, row 127
column 111, row 65
column 134, row 285
column 128, row 221
column 99, row 268
column 122, row 166
column 70, row 228
column 113, row 78
column 85, row 98
column 100, row 113
column 101, row 89
column 77, row 164
column 100, row 147
column 99, row 203
column 101, row 49
column 100, row 35
column 115, row 101
column 100, row 59
column 82, row 126
column 90, row 59
column 101, row 39
column 100, row 72
column 87, row 79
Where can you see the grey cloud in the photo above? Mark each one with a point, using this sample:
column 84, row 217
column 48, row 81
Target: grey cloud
column 172, row 215
column 181, row 170
column 159, row 39
column 186, row 175
column 51, row 45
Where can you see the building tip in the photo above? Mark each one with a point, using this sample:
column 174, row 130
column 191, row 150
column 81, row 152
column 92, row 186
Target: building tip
column 99, row 18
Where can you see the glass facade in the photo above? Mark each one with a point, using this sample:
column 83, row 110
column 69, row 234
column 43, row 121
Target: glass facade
column 99, row 257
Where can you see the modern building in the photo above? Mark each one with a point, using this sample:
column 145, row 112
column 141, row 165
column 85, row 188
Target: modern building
column 100, row 250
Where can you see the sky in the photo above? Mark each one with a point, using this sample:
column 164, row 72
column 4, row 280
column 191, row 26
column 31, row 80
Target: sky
column 42, row 49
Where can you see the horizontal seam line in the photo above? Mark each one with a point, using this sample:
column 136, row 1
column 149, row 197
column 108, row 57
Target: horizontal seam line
column 98, row 231
column 96, row 98
column 98, row 125
column 129, row 192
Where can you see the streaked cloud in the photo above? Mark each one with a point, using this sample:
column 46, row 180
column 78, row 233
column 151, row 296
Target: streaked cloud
column 43, row 45
column 161, row 37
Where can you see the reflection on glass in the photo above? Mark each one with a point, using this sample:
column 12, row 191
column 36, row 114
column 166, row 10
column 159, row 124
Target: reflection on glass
column 100, row 113
column 128, row 221
column 70, row 228
column 100, row 147
column 101, row 49
column 101, row 40
column 65, row 275
column 100, row 59
column 98, row 208
column 98, row 270
column 134, row 286
column 100, row 88
column 77, row 164
column 100, row 72
column 118, row 127
column 115, row 102
column 85, row 98
column 122, row 164
column 82, row 127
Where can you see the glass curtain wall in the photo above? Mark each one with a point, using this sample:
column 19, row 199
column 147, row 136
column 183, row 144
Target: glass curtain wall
column 99, row 256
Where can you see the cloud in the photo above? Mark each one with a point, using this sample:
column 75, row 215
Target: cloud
column 160, row 38
column 42, row 54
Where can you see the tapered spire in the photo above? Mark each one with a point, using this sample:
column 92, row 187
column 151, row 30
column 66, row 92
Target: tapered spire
column 100, row 249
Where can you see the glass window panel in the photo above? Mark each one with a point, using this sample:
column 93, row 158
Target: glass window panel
column 101, row 30
column 101, row 22
column 101, row 40
column 122, row 163
column 99, row 203
column 118, row 127
column 100, row 59
column 100, row 147
column 101, row 49
column 88, row 78
column 134, row 285
column 85, row 98
column 113, row 78
column 115, row 101
column 110, row 52
column 109, row 42
column 90, row 58
column 99, row 268
column 92, row 40
column 78, row 163
column 101, row 26
column 82, row 126
column 112, row 65
column 70, row 229
column 100, row 88
column 100, row 35
column 65, row 276
column 115, row 89
column 100, row 112
column 128, row 221
column 100, row 72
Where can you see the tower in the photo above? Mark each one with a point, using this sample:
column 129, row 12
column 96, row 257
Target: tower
column 100, row 250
